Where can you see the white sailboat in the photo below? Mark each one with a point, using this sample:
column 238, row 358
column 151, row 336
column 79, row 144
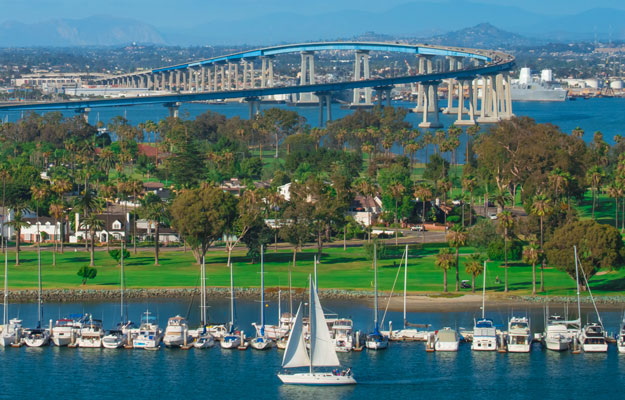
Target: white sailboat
column 204, row 339
column 117, row 337
column 375, row 340
column 620, row 342
column 233, row 339
column 484, row 331
column 38, row 337
column 11, row 330
column 261, row 341
column 519, row 337
column 592, row 336
column 322, row 353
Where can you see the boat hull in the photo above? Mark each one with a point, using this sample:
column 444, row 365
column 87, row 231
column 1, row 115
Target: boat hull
column 484, row 343
column 556, row 344
column 230, row 343
column 204, row 343
column 7, row 340
column 36, row 342
column 261, row 344
column 519, row 348
column 595, row 348
column 446, row 346
column 621, row 348
column 317, row 379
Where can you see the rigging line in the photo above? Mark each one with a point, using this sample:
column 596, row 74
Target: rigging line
column 392, row 289
column 591, row 297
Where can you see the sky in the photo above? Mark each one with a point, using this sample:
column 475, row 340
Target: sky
column 162, row 13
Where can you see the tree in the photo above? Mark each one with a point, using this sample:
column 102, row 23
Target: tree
column 57, row 210
column 506, row 222
column 531, row 255
column 248, row 214
column 86, row 273
column 154, row 210
column 367, row 189
column 457, row 237
column 201, row 215
column 397, row 192
column 17, row 223
column 424, row 193
column 92, row 223
column 444, row 261
column 595, row 176
column 135, row 187
column 116, row 254
column 599, row 246
column 474, row 267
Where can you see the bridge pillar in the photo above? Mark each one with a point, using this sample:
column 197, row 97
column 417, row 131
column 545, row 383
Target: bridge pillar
column 493, row 105
column 215, row 76
column 386, row 90
column 508, row 96
column 425, row 67
column 432, row 89
column 237, row 85
column 173, row 109
column 150, row 80
column 254, row 106
column 307, row 76
column 267, row 72
column 202, row 72
column 222, row 78
column 362, row 72
column 471, row 120
column 250, row 67
column 178, row 73
column 325, row 99
column 170, row 75
column 84, row 113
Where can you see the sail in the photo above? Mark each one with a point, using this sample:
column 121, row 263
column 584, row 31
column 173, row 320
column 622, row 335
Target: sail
column 321, row 346
column 295, row 354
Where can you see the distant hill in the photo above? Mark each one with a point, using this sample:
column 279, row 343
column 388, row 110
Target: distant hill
column 97, row 30
column 483, row 35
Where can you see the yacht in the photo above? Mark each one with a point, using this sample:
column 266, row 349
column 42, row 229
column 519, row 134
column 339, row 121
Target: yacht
column 176, row 332
column 37, row 337
column 261, row 341
column 91, row 334
column 114, row 339
column 203, row 339
column 343, row 335
column 519, row 338
column 321, row 355
column 375, row 340
column 484, row 331
column 281, row 330
column 11, row 333
column 149, row 335
column 446, row 339
column 557, row 335
column 620, row 342
column 592, row 339
column 218, row 331
column 67, row 330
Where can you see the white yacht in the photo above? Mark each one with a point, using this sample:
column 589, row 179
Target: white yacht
column 322, row 353
column 218, row 331
column 37, row 337
column 446, row 339
column 91, row 334
column 176, row 332
column 149, row 335
column 343, row 335
column 592, row 339
column 281, row 330
column 557, row 335
column 114, row 339
column 261, row 341
column 375, row 340
column 11, row 333
column 484, row 331
column 620, row 342
column 519, row 338
column 67, row 330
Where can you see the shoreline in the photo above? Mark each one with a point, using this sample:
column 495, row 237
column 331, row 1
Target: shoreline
column 414, row 303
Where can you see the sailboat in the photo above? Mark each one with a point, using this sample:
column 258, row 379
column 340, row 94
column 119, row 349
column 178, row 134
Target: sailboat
column 484, row 331
column 232, row 340
column 204, row 339
column 592, row 336
column 322, row 353
column 261, row 341
column 117, row 337
column 620, row 342
column 39, row 336
column 375, row 340
column 11, row 330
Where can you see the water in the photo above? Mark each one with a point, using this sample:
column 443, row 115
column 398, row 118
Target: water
column 405, row 370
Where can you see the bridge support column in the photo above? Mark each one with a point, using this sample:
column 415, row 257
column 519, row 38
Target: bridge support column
column 471, row 120
column 215, row 77
column 84, row 113
column 508, row 96
column 494, row 101
column 173, row 109
column 237, row 85
column 325, row 99
column 425, row 67
column 386, row 91
column 222, row 77
column 254, row 106
column 307, row 76
column 432, row 89
column 178, row 80
column 362, row 97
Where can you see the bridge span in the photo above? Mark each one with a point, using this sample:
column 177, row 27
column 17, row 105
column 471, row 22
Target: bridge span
column 469, row 74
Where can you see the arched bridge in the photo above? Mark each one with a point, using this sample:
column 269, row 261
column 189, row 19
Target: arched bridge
column 469, row 74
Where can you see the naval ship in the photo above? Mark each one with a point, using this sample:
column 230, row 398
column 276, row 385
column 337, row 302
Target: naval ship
column 542, row 88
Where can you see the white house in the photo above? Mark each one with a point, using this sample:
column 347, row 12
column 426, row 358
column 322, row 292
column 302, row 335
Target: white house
column 365, row 210
column 45, row 229
column 146, row 229
column 116, row 226
column 285, row 191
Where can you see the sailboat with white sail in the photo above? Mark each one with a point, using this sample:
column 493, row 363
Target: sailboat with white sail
column 39, row 336
column 233, row 339
column 375, row 340
column 322, row 353
column 11, row 330
column 261, row 341
column 484, row 331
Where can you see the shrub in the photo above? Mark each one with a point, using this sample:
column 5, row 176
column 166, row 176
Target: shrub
column 496, row 251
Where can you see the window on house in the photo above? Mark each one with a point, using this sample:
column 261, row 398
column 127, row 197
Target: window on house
column 117, row 225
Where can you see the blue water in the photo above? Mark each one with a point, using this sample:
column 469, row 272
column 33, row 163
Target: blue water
column 405, row 370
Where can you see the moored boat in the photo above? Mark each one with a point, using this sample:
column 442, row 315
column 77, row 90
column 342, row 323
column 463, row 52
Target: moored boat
column 149, row 335
column 176, row 332
column 519, row 337
column 446, row 339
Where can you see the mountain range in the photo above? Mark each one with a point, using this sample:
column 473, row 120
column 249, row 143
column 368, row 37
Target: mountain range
column 418, row 19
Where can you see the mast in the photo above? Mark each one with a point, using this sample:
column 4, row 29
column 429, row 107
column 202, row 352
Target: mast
column 6, row 288
column 231, row 299
column 262, row 292
column 290, row 294
column 579, row 307
column 40, row 309
column 311, row 322
column 405, row 284
column 375, row 287
column 315, row 268
column 122, row 284
column 279, row 306
column 484, row 291
column 203, row 289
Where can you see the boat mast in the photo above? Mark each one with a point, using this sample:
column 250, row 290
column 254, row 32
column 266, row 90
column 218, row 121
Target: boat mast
column 40, row 309
column 231, row 299
column 203, row 289
column 6, row 286
column 405, row 284
column 375, row 287
column 484, row 291
column 311, row 322
column 262, row 292
column 579, row 307
column 315, row 269
column 122, row 283
column 290, row 294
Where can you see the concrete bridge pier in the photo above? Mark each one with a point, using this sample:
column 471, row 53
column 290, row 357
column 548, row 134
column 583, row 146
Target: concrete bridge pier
column 425, row 67
column 325, row 99
column 386, row 90
column 432, row 89
column 84, row 113
column 254, row 106
column 307, row 77
column 471, row 110
column 362, row 97
column 496, row 101
column 173, row 109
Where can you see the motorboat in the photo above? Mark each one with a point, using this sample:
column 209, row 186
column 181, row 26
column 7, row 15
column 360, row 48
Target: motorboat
column 37, row 337
column 176, row 332
column 218, row 331
column 149, row 335
column 519, row 337
column 261, row 341
column 446, row 339
column 558, row 333
column 620, row 342
column 91, row 334
column 67, row 330
column 343, row 335
column 321, row 355
column 11, row 333
column 484, row 331
column 375, row 340
column 281, row 330
column 592, row 339
column 113, row 339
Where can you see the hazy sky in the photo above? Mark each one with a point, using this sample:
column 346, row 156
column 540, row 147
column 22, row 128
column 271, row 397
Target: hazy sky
column 169, row 13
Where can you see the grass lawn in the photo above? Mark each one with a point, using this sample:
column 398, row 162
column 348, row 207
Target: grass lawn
column 349, row 270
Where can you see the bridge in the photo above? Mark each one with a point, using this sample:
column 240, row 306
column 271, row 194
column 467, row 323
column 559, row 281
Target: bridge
column 483, row 73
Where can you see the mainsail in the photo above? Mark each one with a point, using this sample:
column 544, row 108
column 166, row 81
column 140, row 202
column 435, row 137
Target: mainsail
column 322, row 349
column 295, row 354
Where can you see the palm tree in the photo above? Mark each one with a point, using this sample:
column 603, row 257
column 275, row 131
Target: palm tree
column 474, row 267
column 471, row 132
column 457, row 237
column 135, row 186
column 594, row 176
column 5, row 175
column 468, row 184
column 541, row 207
column 57, row 210
column 93, row 224
column 397, row 191
column 444, row 261
column 423, row 192
column 616, row 192
column 531, row 255
column 107, row 160
column 502, row 196
column 506, row 222
column 153, row 209
column 17, row 223
column 365, row 188
column 60, row 187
